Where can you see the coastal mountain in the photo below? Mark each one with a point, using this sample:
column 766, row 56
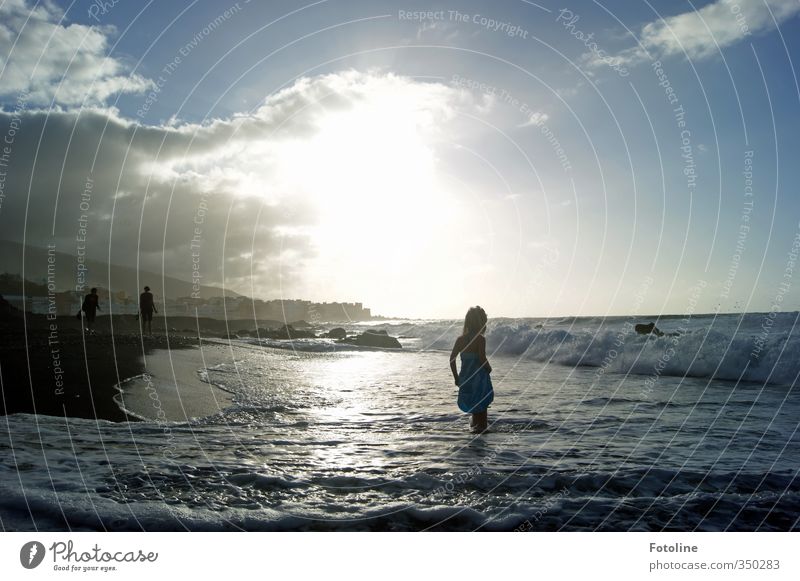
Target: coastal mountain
column 39, row 263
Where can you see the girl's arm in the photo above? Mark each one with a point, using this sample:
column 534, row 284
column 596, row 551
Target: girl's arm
column 453, row 357
column 482, row 353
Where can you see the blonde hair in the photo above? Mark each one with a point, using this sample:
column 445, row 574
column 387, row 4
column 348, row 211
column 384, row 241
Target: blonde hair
column 475, row 320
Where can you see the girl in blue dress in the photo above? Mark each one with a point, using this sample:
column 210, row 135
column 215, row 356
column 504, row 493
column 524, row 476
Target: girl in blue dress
column 475, row 391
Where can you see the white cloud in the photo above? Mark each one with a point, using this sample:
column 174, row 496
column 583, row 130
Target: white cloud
column 702, row 33
column 438, row 30
column 248, row 166
column 536, row 119
column 54, row 60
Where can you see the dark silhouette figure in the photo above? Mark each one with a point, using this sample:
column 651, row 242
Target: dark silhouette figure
column 146, row 309
column 90, row 306
column 475, row 391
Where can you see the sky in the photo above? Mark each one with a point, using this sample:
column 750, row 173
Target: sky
column 536, row 158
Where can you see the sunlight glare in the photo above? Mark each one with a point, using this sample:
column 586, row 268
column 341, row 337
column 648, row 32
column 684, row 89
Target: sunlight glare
column 370, row 169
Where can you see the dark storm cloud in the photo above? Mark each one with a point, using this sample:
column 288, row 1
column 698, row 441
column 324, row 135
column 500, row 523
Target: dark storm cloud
column 176, row 196
column 88, row 170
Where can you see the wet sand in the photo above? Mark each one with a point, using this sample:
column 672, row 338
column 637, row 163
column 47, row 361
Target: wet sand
column 51, row 367
column 171, row 389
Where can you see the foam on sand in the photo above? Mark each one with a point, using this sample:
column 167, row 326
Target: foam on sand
column 172, row 387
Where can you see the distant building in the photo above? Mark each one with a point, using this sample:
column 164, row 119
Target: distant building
column 69, row 303
column 230, row 307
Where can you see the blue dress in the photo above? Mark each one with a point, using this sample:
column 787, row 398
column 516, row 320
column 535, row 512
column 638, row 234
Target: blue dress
column 475, row 391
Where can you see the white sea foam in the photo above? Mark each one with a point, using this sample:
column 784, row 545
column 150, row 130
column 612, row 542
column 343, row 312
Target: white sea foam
column 729, row 347
column 372, row 439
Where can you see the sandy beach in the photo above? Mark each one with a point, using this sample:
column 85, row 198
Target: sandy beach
column 170, row 388
column 50, row 367
column 263, row 434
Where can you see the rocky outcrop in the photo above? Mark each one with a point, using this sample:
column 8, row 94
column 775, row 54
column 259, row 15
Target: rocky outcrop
column 648, row 329
column 373, row 338
column 286, row 332
column 336, row 333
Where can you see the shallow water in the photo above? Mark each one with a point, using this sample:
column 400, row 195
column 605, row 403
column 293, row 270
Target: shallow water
column 372, row 440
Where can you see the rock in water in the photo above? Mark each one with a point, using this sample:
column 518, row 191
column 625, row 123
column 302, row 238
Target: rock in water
column 286, row 332
column 336, row 333
column 648, row 329
column 372, row 338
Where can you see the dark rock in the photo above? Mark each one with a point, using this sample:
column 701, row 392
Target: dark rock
column 372, row 339
column 336, row 333
column 286, row 332
column 649, row 329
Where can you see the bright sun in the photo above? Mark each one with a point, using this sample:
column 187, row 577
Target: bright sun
column 371, row 169
column 389, row 218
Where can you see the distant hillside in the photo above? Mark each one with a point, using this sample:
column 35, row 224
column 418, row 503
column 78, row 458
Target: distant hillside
column 115, row 278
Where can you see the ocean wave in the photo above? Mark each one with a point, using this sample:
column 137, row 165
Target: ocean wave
column 617, row 500
column 310, row 345
column 753, row 348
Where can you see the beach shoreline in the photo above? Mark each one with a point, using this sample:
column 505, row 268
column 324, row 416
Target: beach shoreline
column 171, row 389
column 49, row 367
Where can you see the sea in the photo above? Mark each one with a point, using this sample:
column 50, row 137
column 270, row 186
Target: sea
column 594, row 427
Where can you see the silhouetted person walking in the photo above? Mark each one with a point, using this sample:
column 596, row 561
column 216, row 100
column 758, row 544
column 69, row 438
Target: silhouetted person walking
column 146, row 308
column 91, row 303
